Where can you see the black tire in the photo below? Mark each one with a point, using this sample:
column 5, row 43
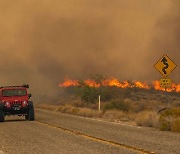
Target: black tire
column 31, row 115
column 27, row 117
column 2, row 115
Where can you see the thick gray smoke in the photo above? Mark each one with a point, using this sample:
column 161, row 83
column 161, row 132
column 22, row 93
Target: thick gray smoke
column 41, row 42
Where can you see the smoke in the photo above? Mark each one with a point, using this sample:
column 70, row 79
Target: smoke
column 41, row 42
column 166, row 37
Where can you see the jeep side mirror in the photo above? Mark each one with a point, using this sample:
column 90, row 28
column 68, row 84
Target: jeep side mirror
column 29, row 95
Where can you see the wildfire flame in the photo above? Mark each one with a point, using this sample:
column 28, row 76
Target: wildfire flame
column 69, row 83
column 91, row 83
column 116, row 83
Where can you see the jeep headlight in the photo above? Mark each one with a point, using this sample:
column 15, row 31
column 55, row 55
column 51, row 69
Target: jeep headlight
column 7, row 104
column 24, row 103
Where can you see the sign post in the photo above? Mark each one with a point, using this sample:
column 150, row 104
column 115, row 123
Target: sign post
column 165, row 66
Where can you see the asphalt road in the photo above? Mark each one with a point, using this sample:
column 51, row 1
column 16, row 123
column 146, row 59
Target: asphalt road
column 54, row 132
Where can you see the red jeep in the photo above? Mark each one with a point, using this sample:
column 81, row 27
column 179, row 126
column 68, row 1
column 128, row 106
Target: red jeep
column 14, row 100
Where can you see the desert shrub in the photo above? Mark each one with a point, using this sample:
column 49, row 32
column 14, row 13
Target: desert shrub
column 72, row 110
column 93, row 106
column 169, row 120
column 106, row 93
column 131, row 116
column 78, row 104
column 147, row 118
column 89, row 94
column 89, row 113
column 118, row 104
column 59, row 108
column 176, row 125
column 65, row 109
column 165, row 120
column 140, row 107
column 114, row 114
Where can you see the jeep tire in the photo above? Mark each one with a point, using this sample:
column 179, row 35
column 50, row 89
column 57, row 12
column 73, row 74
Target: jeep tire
column 30, row 115
column 2, row 115
column 27, row 116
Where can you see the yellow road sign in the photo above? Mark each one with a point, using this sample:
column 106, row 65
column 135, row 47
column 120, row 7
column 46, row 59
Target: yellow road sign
column 165, row 65
column 165, row 83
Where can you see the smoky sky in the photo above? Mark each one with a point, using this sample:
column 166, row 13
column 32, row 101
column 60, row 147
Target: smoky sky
column 43, row 41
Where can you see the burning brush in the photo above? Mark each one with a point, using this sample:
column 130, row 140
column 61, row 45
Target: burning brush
column 116, row 83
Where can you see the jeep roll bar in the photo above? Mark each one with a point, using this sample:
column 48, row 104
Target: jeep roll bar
column 24, row 85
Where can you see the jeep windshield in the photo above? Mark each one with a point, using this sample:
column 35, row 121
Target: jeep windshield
column 14, row 92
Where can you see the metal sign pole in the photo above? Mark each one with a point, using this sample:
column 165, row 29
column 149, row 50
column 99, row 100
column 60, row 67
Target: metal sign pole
column 165, row 66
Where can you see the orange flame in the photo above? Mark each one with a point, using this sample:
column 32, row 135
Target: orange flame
column 174, row 87
column 91, row 83
column 68, row 83
column 142, row 85
column 125, row 84
column 178, row 88
column 115, row 83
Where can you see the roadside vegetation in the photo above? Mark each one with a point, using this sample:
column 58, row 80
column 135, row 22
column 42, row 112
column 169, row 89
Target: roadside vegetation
column 135, row 106
column 170, row 120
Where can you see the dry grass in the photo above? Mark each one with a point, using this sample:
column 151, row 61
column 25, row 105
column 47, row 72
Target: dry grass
column 175, row 127
column 115, row 115
column 147, row 118
column 85, row 112
column 90, row 113
column 170, row 120
column 47, row 107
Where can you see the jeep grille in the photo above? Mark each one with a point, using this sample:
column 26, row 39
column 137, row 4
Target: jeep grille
column 16, row 103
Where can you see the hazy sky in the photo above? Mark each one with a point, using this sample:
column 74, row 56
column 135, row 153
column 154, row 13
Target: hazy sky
column 42, row 41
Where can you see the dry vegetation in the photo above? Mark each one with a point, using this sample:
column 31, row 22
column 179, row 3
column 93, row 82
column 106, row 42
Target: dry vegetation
column 138, row 107
column 86, row 112
column 147, row 118
column 170, row 120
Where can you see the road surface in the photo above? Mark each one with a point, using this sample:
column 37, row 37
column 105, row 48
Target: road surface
column 53, row 132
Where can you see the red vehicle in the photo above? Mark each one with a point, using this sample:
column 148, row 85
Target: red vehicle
column 14, row 100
